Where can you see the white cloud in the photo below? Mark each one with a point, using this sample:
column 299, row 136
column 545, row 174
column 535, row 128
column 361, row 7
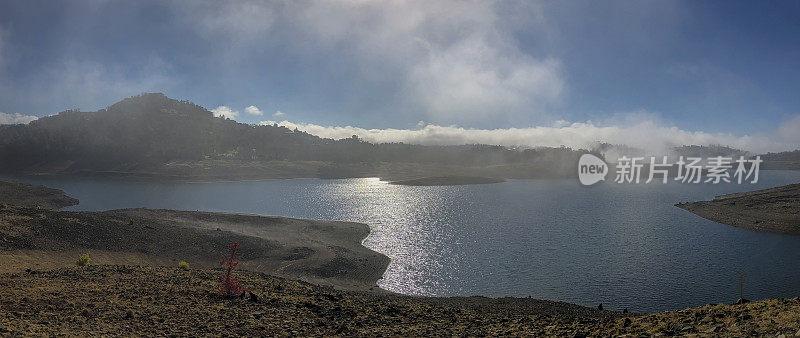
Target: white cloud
column 450, row 60
column 236, row 21
column 473, row 78
column 253, row 110
column 225, row 111
column 654, row 137
column 87, row 84
column 459, row 59
column 16, row 118
column 278, row 114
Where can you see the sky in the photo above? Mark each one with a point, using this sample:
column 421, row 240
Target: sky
column 658, row 73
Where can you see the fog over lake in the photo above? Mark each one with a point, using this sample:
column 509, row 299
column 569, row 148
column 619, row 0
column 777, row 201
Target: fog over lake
column 625, row 246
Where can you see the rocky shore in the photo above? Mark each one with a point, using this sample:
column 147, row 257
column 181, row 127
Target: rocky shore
column 324, row 252
column 774, row 210
column 34, row 196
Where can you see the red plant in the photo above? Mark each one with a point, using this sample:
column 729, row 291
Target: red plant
column 228, row 285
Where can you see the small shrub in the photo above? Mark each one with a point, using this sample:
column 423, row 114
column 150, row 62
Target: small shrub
column 83, row 260
column 183, row 265
column 228, row 285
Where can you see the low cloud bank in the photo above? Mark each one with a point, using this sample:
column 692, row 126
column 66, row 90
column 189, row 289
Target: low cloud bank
column 653, row 137
column 16, row 118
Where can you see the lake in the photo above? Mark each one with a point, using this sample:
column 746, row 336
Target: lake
column 622, row 245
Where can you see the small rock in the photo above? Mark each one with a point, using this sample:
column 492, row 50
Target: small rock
column 626, row 322
column 129, row 314
column 253, row 297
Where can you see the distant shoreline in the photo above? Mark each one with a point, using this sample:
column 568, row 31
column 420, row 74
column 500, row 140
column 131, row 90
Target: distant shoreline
column 449, row 180
column 244, row 170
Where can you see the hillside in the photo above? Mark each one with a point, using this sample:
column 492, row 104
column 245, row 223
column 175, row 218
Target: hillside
column 153, row 136
column 139, row 132
column 787, row 160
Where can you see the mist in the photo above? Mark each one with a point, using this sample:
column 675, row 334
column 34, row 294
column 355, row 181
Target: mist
column 653, row 137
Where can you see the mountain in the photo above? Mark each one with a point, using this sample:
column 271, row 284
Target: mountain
column 151, row 134
column 145, row 129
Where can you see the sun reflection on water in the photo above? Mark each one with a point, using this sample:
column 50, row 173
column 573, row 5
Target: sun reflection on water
column 404, row 223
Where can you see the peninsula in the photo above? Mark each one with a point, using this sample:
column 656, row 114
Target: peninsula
column 774, row 210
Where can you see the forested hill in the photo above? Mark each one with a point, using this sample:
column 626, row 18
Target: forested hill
column 146, row 131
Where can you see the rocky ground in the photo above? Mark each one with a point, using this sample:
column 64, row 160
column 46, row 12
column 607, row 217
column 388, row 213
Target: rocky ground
column 324, row 252
column 34, row 195
column 127, row 300
column 771, row 210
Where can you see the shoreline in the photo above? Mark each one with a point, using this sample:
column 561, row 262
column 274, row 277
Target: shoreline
column 320, row 252
column 448, row 181
column 31, row 195
column 242, row 170
column 310, row 277
column 324, row 252
column 774, row 210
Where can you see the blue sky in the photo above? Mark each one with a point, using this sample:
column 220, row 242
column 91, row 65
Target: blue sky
column 726, row 68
